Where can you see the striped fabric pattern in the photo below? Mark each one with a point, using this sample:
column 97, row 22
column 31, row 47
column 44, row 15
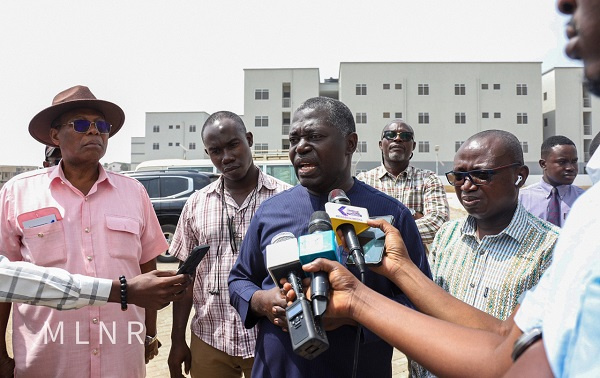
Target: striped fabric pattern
column 490, row 274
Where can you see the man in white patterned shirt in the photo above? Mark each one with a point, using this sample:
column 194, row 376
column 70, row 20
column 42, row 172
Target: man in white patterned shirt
column 23, row 282
column 500, row 250
column 218, row 215
column 418, row 189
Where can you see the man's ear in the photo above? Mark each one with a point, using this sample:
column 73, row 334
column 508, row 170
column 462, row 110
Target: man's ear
column 524, row 173
column 380, row 146
column 54, row 136
column 351, row 143
column 250, row 138
column 542, row 163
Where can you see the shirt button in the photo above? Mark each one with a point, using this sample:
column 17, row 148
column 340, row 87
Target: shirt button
column 472, row 285
column 87, row 229
column 95, row 352
column 40, row 235
column 89, row 258
column 95, row 320
column 482, row 252
column 85, row 199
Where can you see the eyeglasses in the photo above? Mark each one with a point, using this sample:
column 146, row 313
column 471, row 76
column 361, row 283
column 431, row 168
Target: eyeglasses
column 477, row 177
column 405, row 136
column 83, row 125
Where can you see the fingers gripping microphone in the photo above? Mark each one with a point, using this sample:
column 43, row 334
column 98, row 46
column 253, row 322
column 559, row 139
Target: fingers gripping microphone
column 319, row 243
column 350, row 220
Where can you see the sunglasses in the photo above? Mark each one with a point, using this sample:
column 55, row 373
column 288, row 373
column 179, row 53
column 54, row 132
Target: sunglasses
column 83, row 125
column 477, row 177
column 405, row 136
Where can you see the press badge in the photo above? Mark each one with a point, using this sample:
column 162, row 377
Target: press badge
column 39, row 217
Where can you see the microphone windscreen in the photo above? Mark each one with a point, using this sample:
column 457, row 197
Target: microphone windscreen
column 319, row 222
column 338, row 196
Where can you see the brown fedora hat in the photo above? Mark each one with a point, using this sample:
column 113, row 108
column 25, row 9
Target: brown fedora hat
column 77, row 97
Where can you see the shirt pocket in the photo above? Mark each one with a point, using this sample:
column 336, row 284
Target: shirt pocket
column 123, row 237
column 45, row 244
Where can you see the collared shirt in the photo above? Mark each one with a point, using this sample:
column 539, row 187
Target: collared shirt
column 536, row 198
column 109, row 232
column 490, row 274
column 418, row 189
column 566, row 302
column 27, row 283
column 204, row 221
column 290, row 211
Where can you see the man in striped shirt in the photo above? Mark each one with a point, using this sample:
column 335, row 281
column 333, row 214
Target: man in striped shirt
column 218, row 215
column 500, row 250
column 418, row 189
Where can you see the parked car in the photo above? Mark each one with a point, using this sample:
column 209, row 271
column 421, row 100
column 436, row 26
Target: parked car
column 168, row 192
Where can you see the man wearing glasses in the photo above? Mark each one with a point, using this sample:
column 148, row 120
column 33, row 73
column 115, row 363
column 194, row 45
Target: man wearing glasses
column 418, row 189
column 81, row 218
column 218, row 215
column 500, row 250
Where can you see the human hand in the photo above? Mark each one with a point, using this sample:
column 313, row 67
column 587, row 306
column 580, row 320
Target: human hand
column 395, row 253
column 7, row 366
column 180, row 354
column 154, row 290
column 271, row 304
column 418, row 215
column 151, row 350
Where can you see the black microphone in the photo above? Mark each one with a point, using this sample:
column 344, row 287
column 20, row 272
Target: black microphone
column 346, row 217
column 320, row 242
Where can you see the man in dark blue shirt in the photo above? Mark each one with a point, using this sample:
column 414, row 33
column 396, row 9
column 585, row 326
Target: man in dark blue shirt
column 322, row 140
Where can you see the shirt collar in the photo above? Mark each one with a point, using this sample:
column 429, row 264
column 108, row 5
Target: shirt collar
column 516, row 229
column 562, row 189
column 262, row 181
column 57, row 173
column 382, row 172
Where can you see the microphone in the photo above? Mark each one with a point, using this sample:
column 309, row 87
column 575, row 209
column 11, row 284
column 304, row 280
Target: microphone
column 282, row 257
column 351, row 220
column 320, row 242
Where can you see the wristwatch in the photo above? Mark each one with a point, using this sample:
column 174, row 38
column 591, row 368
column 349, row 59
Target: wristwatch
column 525, row 341
column 151, row 339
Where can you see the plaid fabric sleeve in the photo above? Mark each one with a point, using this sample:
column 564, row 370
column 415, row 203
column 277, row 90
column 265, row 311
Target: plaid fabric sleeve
column 23, row 282
column 435, row 208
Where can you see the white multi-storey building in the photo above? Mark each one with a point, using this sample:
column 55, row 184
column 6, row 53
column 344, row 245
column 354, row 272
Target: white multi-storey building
column 569, row 110
column 445, row 103
column 170, row 135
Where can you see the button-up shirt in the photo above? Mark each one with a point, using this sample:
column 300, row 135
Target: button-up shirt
column 109, row 232
column 53, row 287
column 204, row 221
column 418, row 189
column 536, row 198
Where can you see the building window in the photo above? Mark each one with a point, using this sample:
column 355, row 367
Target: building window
column 386, row 86
column 285, row 123
column 386, row 114
column 177, row 144
column 398, row 86
column 485, row 115
column 398, row 115
column 261, row 148
column 170, row 127
column 286, row 95
column 587, row 101
column 170, row 144
column 192, row 146
column 521, row 118
column 545, row 96
column 459, row 90
column 587, row 123
column 521, row 89
column 155, row 146
column 156, row 128
column 460, row 118
column 285, row 145
column 423, row 90
column 362, row 146
column 261, row 121
column 545, row 122
column 497, row 115
column 525, row 147
column 261, row 94
column 177, row 127
column 484, row 86
column 361, row 117
column 192, row 128
column 496, row 87
column 361, row 89
column 423, row 146
column 424, row 118
column 457, row 144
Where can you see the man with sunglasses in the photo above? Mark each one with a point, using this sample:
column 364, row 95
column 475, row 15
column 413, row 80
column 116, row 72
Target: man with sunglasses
column 218, row 215
column 500, row 250
column 418, row 189
column 81, row 218
column 52, row 156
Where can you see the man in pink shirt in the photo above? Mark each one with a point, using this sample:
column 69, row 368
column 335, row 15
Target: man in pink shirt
column 81, row 218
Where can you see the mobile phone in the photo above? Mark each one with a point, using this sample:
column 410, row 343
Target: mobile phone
column 191, row 263
column 372, row 240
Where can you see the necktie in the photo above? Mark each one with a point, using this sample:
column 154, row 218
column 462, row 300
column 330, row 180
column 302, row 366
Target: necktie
column 554, row 208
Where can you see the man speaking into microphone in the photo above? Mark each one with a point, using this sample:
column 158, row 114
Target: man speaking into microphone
column 322, row 140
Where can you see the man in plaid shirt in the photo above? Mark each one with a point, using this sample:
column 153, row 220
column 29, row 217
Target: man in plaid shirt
column 418, row 189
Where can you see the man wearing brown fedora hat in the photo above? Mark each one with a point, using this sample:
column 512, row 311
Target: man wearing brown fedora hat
column 81, row 218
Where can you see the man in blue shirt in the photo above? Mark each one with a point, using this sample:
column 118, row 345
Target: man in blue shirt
column 322, row 140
